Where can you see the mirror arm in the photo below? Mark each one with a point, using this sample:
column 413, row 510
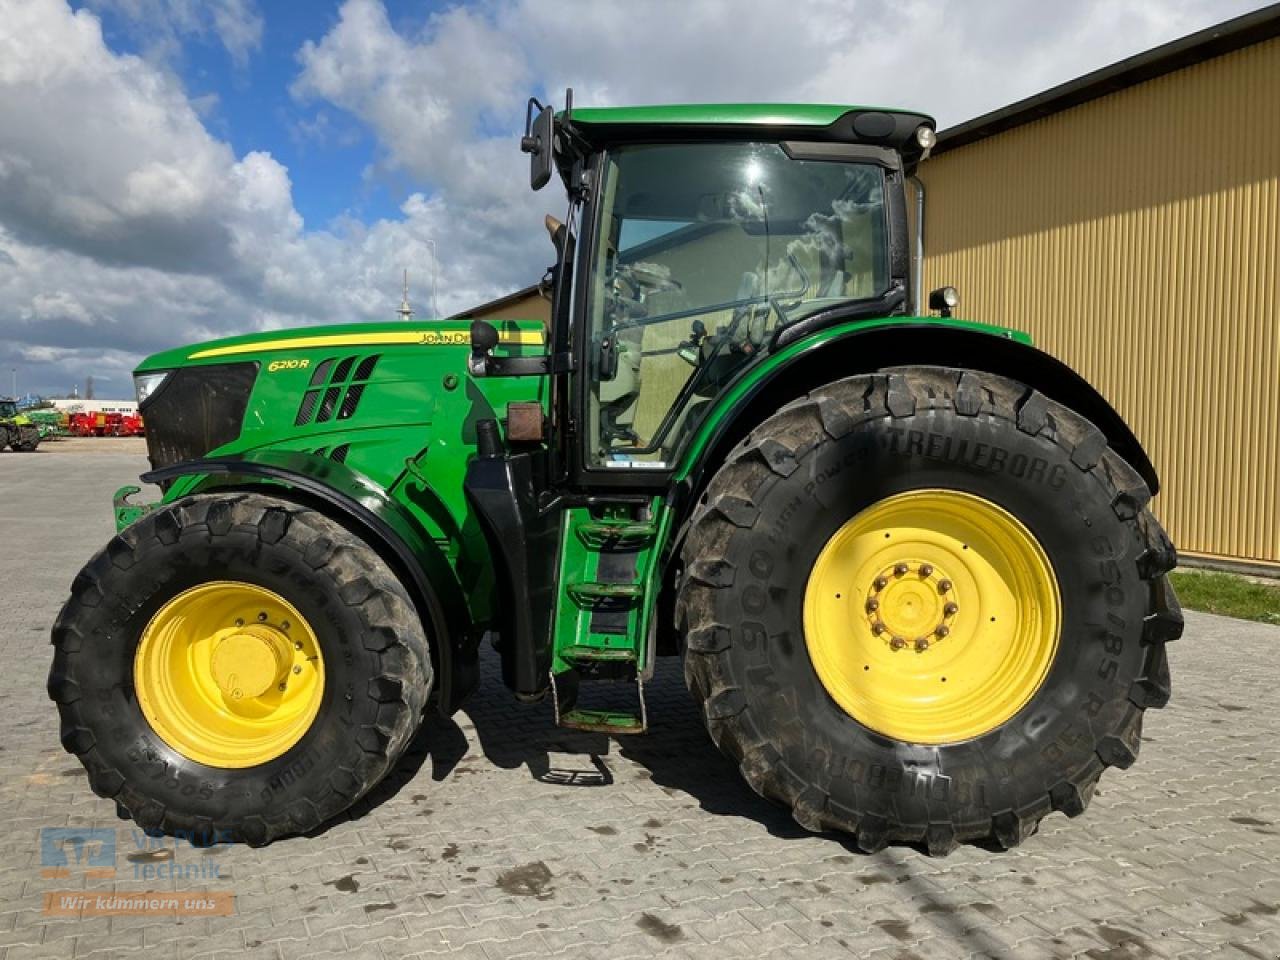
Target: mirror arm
column 482, row 362
column 531, row 108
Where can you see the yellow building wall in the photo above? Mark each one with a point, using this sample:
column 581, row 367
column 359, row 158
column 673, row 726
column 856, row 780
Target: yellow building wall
column 533, row 306
column 1136, row 238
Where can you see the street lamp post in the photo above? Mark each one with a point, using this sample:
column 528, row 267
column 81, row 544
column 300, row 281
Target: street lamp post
column 435, row 269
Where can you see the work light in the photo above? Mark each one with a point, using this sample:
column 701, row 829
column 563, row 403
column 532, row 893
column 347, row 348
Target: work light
column 926, row 138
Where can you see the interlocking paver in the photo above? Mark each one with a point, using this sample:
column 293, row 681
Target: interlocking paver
column 669, row 855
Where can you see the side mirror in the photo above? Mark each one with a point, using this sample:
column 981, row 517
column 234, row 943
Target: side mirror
column 944, row 300
column 539, row 134
column 484, row 337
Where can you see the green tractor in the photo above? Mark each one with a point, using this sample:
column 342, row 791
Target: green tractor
column 907, row 559
column 17, row 431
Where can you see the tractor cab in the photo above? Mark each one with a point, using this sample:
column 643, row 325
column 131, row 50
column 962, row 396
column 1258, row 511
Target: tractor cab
column 699, row 240
column 699, row 243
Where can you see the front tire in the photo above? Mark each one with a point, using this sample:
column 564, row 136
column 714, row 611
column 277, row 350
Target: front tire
column 237, row 667
column 888, row 531
column 28, row 438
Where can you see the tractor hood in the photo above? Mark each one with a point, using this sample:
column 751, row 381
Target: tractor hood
column 260, row 345
column 372, row 391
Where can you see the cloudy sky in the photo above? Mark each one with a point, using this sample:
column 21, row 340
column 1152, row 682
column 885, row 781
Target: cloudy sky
column 174, row 170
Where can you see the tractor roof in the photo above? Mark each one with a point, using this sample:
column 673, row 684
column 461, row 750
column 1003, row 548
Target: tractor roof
column 741, row 121
column 733, row 114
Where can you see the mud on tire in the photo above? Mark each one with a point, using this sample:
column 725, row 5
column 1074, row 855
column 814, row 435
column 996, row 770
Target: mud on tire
column 378, row 670
column 820, row 460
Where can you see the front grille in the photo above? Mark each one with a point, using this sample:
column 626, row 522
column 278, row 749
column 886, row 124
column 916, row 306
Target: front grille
column 196, row 410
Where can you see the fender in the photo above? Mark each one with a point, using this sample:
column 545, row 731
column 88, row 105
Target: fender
column 352, row 499
column 865, row 347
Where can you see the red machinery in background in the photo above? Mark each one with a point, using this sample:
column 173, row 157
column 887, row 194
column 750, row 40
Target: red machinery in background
column 131, row 425
column 100, row 424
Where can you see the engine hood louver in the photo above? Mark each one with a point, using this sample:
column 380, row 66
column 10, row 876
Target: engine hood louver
column 335, row 390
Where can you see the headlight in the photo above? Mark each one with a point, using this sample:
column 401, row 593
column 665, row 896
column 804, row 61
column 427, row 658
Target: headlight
column 145, row 384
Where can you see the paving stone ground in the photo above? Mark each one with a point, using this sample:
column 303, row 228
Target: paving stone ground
column 500, row 836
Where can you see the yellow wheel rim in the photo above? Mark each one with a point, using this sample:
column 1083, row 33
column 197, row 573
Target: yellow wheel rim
column 229, row 674
column 932, row 616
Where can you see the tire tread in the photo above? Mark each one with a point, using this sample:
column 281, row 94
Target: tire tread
column 832, row 411
column 400, row 685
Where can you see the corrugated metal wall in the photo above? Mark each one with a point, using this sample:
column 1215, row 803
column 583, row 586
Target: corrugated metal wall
column 1136, row 238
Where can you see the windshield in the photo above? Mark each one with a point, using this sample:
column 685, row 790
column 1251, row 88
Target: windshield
column 703, row 251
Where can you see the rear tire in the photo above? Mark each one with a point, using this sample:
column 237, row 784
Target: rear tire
column 377, row 669
column 799, row 478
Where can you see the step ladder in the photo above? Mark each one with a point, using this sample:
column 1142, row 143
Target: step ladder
column 604, row 610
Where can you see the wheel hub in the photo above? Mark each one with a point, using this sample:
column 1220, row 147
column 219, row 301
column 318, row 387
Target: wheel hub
column 249, row 662
column 911, row 604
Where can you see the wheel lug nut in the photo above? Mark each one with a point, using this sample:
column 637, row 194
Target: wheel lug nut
column 950, row 609
column 297, row 669
column 900, row 570
column 239, row 622
column 284, row 624
column 941, row 631
column 944, row 586
column 281, row 688
column 297, row 644
column 877, row 628
column 922, row 644
column 873, row 605
column 926, row 569
column 897, row 643
column 262, row 617
column 881, row 583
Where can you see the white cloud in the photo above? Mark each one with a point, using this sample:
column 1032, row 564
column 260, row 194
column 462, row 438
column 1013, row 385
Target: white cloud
column 163, row 25
column 126, row 226
column 445, row 99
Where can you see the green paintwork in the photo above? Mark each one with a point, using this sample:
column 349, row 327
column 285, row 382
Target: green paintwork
column 411, row 436
column 712, row 114
column 603, row 721
column 126, row 512
column 434, row 333
column 584, row 538
column 49, row 422
column 729, row 400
